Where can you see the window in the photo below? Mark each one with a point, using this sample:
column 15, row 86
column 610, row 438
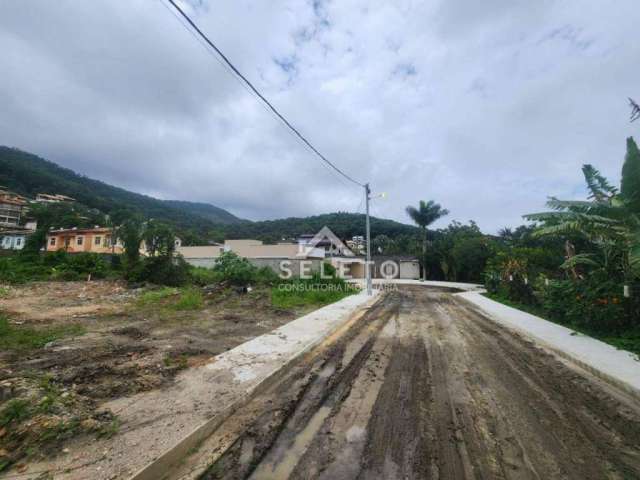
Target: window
column 18, row 241
column 97, row 240
column 79, row 240
column 52, row 241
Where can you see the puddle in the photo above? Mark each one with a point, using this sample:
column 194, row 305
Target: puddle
column 287, row 462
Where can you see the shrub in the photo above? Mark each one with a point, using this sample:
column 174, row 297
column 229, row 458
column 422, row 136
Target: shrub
column 173, row 272
column 266, row 276
column 52, row 265
column 235, row 269
column 595, row 304
column 204, row 276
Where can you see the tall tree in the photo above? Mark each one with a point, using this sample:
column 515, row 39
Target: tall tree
column 131, row 232
column 424, row 215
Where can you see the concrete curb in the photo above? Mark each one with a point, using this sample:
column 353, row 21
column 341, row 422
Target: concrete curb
column 590, row 365
column 162, row 466
column 467, row 287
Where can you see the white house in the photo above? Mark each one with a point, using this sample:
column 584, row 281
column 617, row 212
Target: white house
column 14, row 239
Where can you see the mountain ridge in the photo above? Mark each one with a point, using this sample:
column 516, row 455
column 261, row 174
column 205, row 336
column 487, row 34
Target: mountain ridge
column 29, row 174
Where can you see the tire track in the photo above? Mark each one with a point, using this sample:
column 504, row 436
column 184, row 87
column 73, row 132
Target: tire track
column 425, row 387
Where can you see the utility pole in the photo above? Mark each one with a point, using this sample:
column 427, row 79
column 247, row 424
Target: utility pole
column 367, row 194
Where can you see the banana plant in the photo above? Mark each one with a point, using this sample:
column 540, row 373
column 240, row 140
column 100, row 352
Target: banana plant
column 609, row 219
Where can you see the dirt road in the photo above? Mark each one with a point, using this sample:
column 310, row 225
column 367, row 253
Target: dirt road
column 426, row 387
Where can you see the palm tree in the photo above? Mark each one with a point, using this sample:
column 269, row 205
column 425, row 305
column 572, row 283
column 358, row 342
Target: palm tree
column 423, row 216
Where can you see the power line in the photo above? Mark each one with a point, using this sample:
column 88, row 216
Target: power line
column 206, row 48
column 260, row 96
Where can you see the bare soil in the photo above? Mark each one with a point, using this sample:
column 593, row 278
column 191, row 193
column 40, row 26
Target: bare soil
column 128, row 347
column 426, row 387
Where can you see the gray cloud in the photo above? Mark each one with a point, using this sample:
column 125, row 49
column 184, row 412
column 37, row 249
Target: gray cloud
column 486, row 109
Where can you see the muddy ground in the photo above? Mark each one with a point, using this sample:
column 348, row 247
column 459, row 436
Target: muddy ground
column 121, row 346
column 426, row 387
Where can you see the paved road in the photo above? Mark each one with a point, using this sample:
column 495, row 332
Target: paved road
column 426, row 387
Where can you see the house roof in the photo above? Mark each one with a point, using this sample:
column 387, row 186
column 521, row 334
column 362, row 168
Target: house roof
column 16, row 232
column 282, row 250
column 79, row 231
column 247, row 249
column 208, row 251
column 13, row 201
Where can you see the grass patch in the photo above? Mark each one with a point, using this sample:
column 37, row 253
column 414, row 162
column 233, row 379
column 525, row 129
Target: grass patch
column 629, row 340
column 180, row 362
column 189, row 299
column 15, row 411
column 4, row 292
column 155, row 297
column 15, row 337
column 302, row 293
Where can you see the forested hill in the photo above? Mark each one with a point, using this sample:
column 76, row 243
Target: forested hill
column 29, row 175
column 344, row 225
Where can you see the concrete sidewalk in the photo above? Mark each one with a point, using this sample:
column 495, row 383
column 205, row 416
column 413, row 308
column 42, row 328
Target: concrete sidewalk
column 158, row 428
column 605, row 361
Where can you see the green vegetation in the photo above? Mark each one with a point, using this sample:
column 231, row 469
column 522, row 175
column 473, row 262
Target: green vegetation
column 14, row 411
column 344, row 225
column 315, row 291
column 155, row 297
column 17, row 337
column 24, row 267
column 592, row 252
column 189, row 299
column 37, row 422
column 161, row 267
column 179, row 362
column 301, row 293
column 627, row 340
column 186, row 298
column 239, row 271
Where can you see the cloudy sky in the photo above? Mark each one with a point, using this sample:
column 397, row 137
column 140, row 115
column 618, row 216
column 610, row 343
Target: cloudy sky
column 486, row 107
